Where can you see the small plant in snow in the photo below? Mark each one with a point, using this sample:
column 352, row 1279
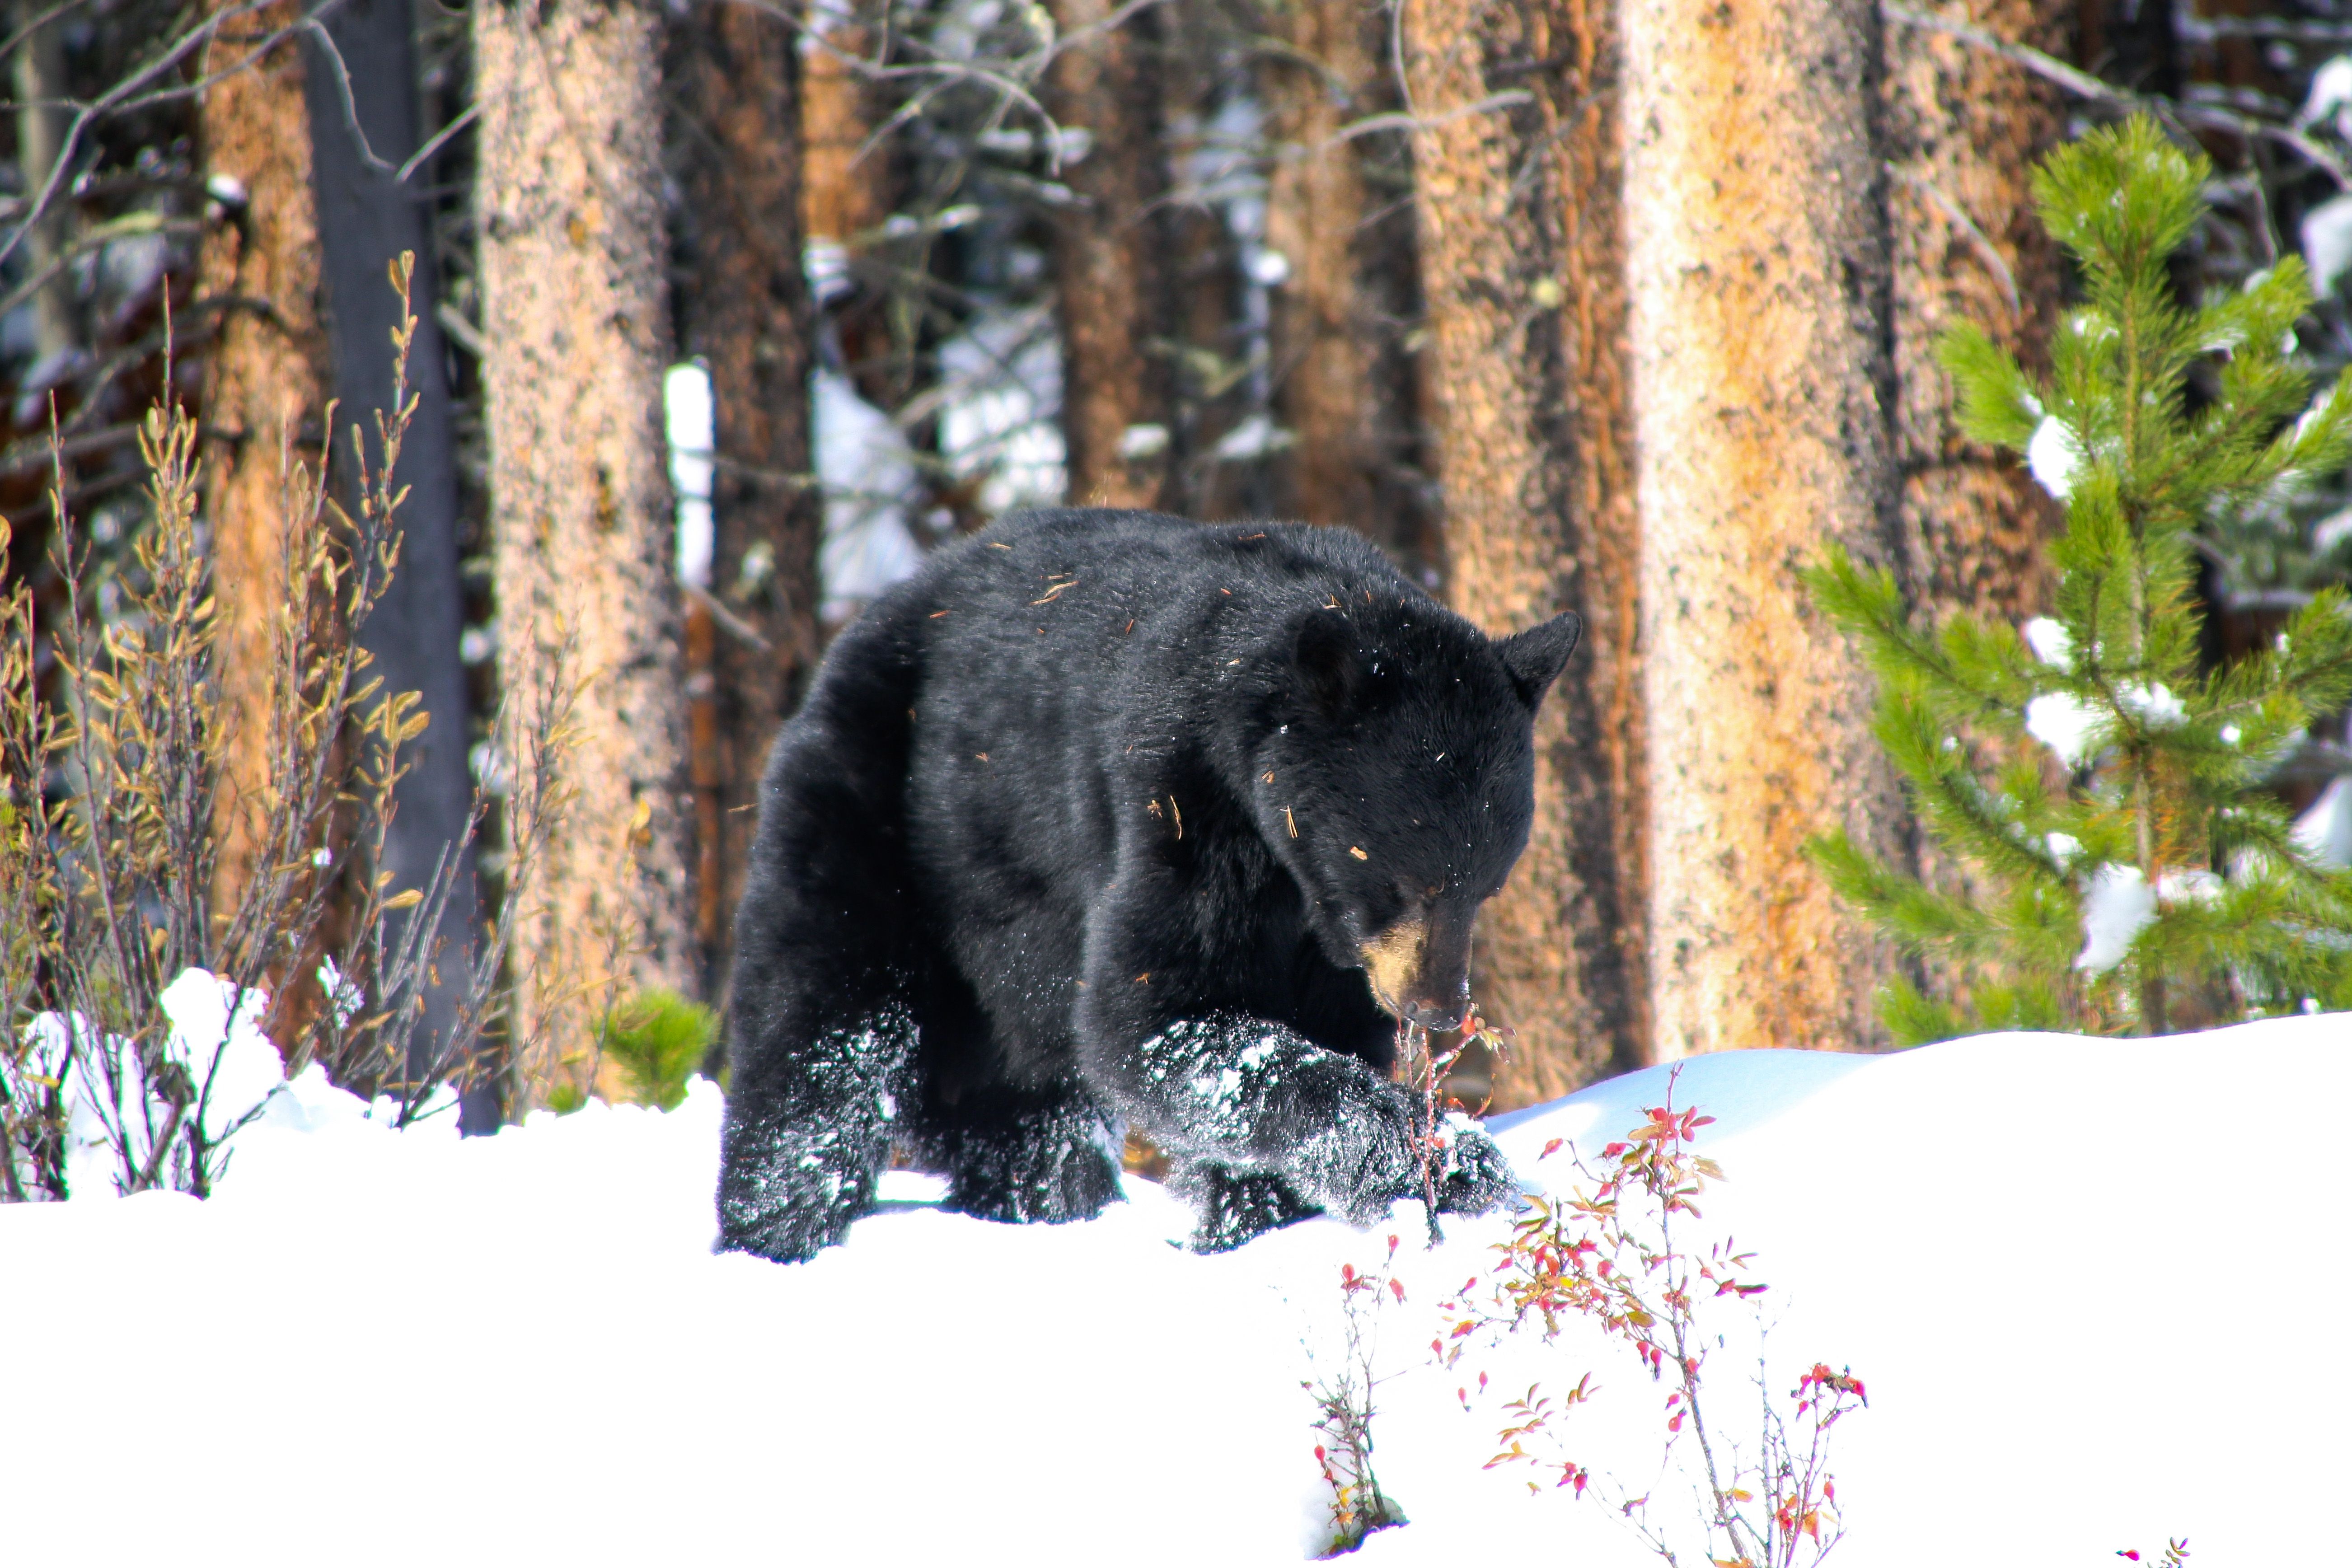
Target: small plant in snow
column 1343, row 1400
column 131, row 997
column 2127, row 873
column 1424, row 1065
column 1610, row 1255
column 659, row 1040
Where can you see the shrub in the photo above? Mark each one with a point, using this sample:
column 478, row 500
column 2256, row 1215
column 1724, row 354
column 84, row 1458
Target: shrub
column 117, row 806
column 1611, row 1254
column 1344, row 1411
column 659, row 1040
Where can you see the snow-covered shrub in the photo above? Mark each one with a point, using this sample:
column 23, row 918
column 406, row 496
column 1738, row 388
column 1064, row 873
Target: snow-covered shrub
column 122, row 1103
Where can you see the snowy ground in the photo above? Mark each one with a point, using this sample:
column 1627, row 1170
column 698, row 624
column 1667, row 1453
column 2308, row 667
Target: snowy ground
column 2095, row 1289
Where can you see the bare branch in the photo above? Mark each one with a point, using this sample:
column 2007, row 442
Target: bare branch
column 1984, row 247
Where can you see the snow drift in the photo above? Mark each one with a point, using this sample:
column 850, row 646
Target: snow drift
column 2094, row 1286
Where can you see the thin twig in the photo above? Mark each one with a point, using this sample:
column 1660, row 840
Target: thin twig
column 1984, row 247
column 2048, row 66
column 312, row 26
column 439, row 137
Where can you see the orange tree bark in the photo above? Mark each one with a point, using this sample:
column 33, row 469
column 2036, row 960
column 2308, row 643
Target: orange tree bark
column 1963, row 131
column 744, row 309
column 571, row 250
column 844, row 192
column 1756, row 264
column 264, row 384
column 1524, row 272
column 1344, row 389
column 1110, row 255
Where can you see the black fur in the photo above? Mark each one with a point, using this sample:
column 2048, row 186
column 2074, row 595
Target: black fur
column 1092, row 819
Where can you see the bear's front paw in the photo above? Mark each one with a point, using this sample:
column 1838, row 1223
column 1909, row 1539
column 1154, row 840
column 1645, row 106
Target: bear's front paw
column 1476, row 1178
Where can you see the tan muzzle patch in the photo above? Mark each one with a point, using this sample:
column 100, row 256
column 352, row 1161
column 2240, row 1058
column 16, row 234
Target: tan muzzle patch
column 1394, row 963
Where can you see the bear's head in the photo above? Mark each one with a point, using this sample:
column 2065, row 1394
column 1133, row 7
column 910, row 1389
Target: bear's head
column 1395, row 779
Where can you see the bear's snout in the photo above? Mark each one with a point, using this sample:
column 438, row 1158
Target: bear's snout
column 1420, row 975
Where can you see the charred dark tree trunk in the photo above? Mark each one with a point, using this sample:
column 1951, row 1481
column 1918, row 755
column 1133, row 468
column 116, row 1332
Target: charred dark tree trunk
column 744, row 312
column 366, row 218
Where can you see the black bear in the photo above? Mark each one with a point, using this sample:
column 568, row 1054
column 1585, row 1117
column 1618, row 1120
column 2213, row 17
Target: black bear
column 1109, row 815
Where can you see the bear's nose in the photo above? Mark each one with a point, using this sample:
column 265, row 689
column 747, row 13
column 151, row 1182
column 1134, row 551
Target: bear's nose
column 1434, row 1014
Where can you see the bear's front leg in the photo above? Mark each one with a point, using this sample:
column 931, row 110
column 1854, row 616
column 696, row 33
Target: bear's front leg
column 1254, row 1099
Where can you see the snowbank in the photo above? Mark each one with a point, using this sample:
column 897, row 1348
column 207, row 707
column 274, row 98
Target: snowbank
column 2093, row 1288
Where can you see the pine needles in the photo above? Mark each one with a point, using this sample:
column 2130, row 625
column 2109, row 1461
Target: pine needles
column 2126, row 872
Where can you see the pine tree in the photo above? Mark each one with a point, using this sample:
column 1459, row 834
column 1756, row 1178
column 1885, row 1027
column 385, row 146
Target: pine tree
column 2133, row 875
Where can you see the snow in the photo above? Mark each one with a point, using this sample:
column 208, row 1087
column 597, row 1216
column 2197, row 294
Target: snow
column 2325, row 829
column 2069, row 726
column 2331, row 531
column 2117, row 905
column 692, row 416
column 867, row 470
column 1255, row 437
column 2326, row 234
column 1002, row 404
column 219, row 1048
column 2087, row 1283
column 2054, row 457
column 2331, row 92
column 2049, row 642
column 2062, row 723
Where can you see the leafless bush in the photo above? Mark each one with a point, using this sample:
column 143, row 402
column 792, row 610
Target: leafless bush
column 120, row 804
column 1342, row 1392
column 1611, row 1255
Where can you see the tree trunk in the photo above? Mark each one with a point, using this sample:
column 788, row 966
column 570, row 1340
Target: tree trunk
column 745, row 312
column 1213, row 387
column 1964, row 130
column 843, row 192
column 1110, row 256
column 1757, row 258
column 571, row 256
column 1329, row 331
column 265, row 384
column 1524, row 272
column 40, row 81
column 367, row 219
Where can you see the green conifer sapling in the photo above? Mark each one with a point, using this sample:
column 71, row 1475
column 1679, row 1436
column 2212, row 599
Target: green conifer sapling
column 2124, row 871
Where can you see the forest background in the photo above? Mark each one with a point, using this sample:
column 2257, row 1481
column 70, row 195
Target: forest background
column 727, row 312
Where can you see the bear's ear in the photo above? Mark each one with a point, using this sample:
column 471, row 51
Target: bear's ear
column 1325, row 657
column 1536, row 657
